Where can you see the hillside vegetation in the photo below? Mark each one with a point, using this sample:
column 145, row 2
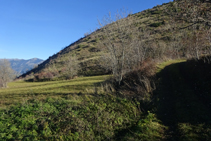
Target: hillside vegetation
column 158, row 87
column 178, row 109
column 172, row 30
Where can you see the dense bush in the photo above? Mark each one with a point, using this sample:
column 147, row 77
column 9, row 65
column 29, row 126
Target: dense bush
column 139, row 83
column 44, row 76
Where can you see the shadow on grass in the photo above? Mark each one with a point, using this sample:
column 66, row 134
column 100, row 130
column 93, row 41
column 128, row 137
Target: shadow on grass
column 181, row 104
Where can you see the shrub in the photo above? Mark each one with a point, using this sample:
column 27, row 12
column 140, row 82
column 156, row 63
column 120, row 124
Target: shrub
column 139, row 83
column 93, row 49
column 80, row 46
column 156, row 24
column 44, row 76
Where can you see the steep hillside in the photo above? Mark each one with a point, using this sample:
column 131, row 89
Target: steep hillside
column 171, row 30
column 22, row 66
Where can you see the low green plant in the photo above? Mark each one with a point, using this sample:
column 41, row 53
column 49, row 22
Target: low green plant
column 148, row 128
column 94, row 118
column 193, row 132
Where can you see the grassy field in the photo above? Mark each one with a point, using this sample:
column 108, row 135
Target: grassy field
column 65, row 110
column 21, row 91
column 71, row 110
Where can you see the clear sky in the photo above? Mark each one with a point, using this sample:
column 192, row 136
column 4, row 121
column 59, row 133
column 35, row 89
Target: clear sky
column 41, row 28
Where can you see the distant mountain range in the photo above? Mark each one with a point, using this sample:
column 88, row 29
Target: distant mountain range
column 21, row 66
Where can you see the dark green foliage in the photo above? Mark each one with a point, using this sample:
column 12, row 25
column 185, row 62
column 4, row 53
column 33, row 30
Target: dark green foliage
column 95, row 118
column 93, row 49
column 95, row 40
column 156, row 12
column 156, row 24
column 148, row 128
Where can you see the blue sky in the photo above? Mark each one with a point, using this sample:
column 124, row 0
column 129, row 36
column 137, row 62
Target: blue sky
column 41, row 28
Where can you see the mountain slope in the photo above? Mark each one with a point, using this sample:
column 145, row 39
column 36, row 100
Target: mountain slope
column 170, row 30
column 22, row 66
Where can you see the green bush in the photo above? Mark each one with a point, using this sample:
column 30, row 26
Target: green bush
column 80, row 45
column 156, row 12
column 156, row 24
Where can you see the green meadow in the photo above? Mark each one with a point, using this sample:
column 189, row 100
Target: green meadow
column 80, row 109
column 20, row 91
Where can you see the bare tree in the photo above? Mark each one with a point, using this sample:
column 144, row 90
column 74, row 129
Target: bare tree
column 141, row 47
column 119, row 42
column 6, row 73
column 72, row 67
column 208, row 37
column 196, row 46
column 174, row 46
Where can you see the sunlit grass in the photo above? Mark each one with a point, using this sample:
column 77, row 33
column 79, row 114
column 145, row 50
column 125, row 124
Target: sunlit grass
column 20, row 91
column 162, row 65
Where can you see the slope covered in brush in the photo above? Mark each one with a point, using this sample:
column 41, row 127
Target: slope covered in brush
column 172, row 30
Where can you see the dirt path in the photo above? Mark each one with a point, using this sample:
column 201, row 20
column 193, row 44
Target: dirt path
column 179, row 106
